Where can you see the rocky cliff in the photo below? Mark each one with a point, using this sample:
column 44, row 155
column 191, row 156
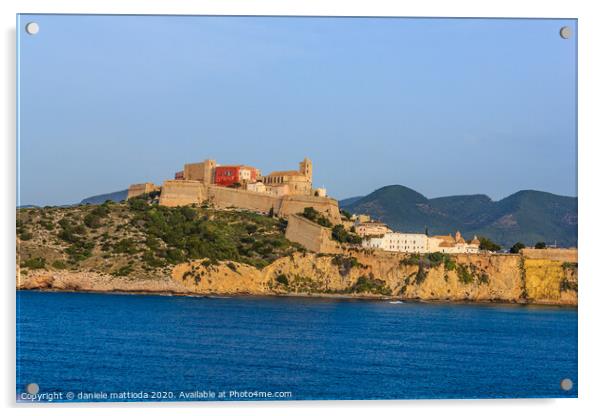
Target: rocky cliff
column 476, row 277
column 142, row 247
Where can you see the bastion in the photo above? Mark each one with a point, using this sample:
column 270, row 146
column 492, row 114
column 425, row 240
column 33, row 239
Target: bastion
column 186, row 192
column 196, row 184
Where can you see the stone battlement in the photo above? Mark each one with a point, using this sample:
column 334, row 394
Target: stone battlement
column 138, row 189
column 310, row 235
column 186, row 192
column 285, row 193
column 182, row 192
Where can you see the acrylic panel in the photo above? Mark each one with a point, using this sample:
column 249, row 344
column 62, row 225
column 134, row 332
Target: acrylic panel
column 218, row 208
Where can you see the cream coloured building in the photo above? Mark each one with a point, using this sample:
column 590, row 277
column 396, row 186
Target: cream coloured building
column 299, row 181
column 278, row 191
column 421, row 243
column 402, row 242
column 256, row 187
column 455, row 244
column 371, row 229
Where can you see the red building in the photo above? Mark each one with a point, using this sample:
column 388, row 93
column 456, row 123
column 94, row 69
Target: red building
column 232, row 175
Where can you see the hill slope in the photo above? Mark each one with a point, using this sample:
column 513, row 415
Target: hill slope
column 145, row 240
column 526, row 216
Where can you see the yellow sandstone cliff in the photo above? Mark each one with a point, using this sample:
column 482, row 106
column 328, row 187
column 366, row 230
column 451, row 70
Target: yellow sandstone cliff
column 476, row 277
column 463, row 277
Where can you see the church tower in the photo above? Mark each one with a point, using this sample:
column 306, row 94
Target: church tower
column 306, row 169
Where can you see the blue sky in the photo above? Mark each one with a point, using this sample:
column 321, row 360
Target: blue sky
column 444, row 106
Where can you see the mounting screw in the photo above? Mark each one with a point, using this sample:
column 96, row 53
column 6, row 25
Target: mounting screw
column 566, row 384
column 565, row 32
column 32, row 388
column 32, row 28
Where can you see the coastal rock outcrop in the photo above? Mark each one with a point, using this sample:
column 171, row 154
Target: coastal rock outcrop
column 467, row 277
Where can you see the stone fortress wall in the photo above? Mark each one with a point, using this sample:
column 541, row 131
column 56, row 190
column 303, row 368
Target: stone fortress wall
column 294, row 204
column 138, row 189
column 222, row 197
column 310, row 235
column 183, row 192
column 176, row 193
column 197, row 187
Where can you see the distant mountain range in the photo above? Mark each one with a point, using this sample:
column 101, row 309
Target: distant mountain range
column 99, row 199
column 526, row 216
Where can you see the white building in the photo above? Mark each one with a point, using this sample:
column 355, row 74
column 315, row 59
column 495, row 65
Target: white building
column 402, row 242
column 278, row 190
column 256, row 187
column 421, row 243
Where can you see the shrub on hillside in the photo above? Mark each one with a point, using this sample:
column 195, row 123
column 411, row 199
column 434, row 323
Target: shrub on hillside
column 343, row 236
column 487, row 244
column 365, row 284
column 517, row 247
column 59, row 264
column 282, row 279
column 311, row 214
column 464, row 275
column 34, row 263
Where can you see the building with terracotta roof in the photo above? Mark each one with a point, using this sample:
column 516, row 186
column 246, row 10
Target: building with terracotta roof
column 422, row 243
column 371, row 229
column 299, row 181
column 455, row 244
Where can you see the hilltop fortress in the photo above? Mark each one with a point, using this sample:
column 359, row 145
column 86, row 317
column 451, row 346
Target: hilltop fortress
column 283, row 193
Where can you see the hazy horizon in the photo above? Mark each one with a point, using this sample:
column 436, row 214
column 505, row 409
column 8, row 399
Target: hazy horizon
column 442, row 106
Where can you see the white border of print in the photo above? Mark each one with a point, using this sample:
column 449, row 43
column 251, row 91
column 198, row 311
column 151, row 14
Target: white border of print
column 589, row 194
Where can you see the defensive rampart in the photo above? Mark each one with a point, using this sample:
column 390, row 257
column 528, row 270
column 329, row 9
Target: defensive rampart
column 294, row 204
column 310, row 235
column 182, row 192
column 138, row 189
column 185, row 192
column 222, row 197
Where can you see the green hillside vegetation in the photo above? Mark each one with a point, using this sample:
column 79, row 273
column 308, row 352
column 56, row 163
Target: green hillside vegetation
column 145, row 239
column 526, row 216
column 339, row 233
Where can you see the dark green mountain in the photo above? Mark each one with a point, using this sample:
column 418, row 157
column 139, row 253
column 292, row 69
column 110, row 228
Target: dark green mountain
column 99, row 199
column 526, row 216
column 348, row 201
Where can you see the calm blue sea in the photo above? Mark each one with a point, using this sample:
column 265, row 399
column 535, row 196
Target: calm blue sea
column 246, row 348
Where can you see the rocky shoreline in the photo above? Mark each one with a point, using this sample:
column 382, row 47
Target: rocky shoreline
column 228, row 280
